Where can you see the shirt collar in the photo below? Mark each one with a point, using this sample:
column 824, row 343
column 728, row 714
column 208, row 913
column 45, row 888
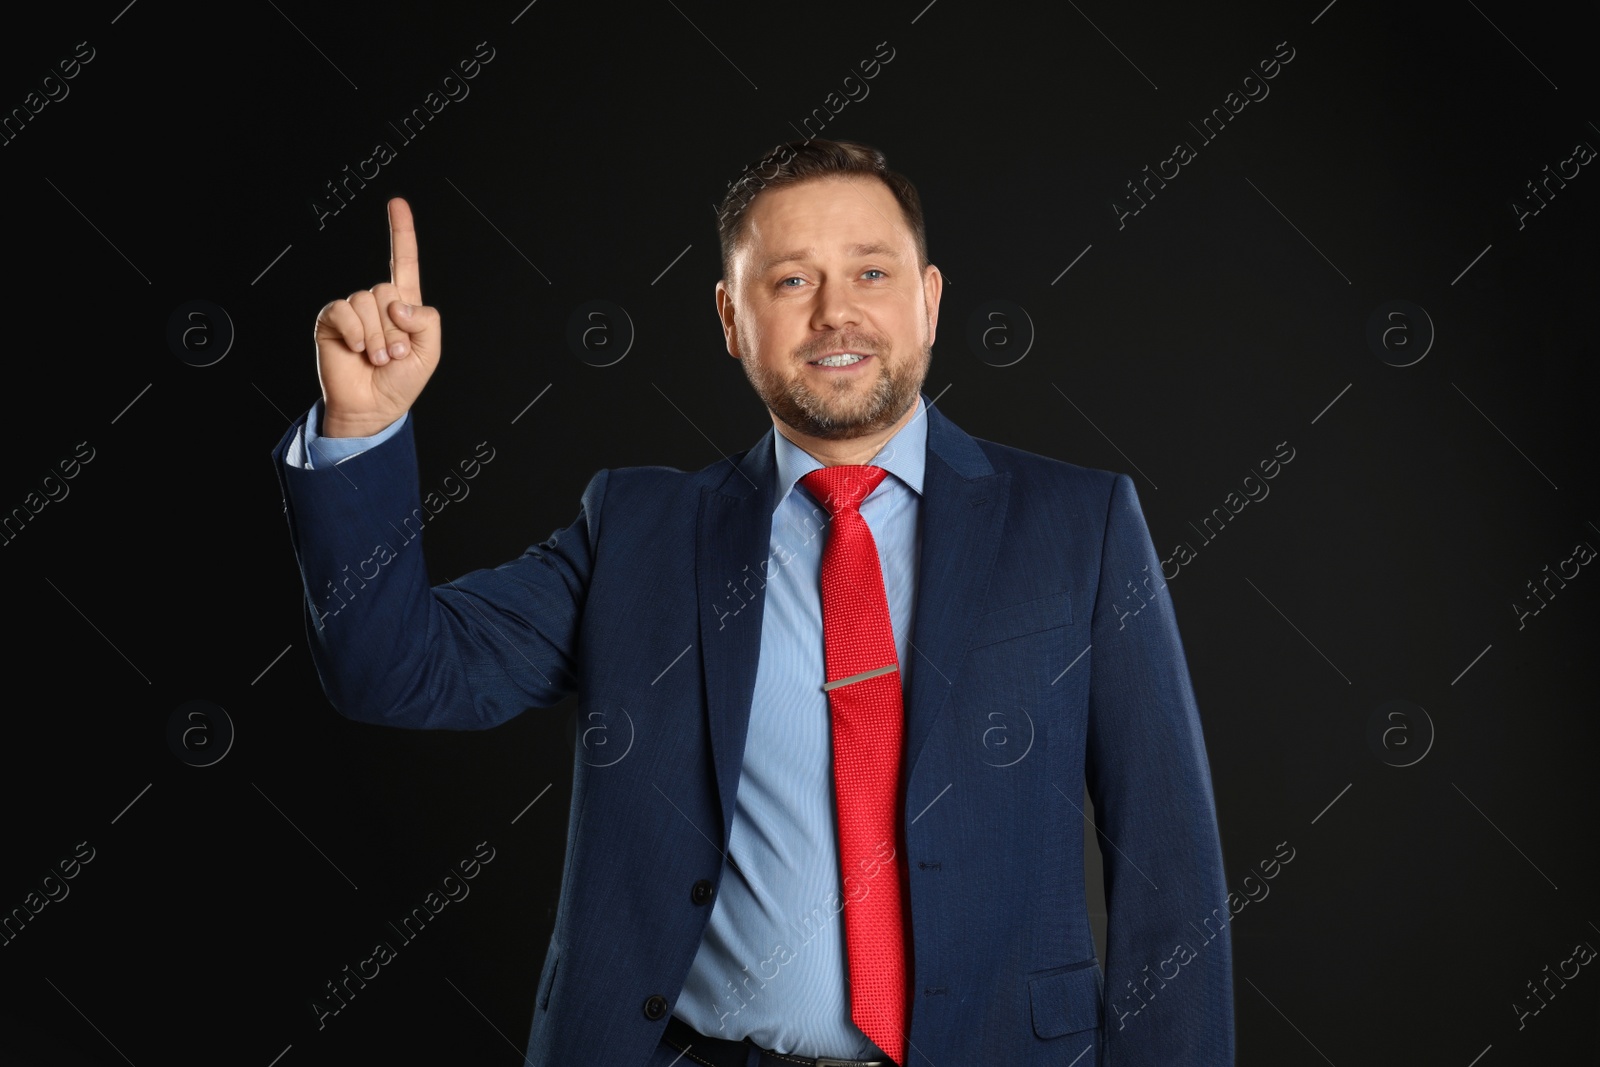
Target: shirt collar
column 905, row 455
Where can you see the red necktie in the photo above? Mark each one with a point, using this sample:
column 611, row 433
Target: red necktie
column 864, row 693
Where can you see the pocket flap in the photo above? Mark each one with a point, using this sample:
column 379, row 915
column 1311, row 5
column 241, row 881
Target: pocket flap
column 1017, row 620
column 1066, row 1001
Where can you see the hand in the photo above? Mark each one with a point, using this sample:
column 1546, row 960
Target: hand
column 377, row 348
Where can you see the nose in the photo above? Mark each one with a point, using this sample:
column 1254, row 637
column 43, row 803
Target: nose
column 835, row 306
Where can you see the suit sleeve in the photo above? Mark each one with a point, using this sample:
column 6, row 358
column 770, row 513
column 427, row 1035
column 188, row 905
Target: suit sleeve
column 1169, row 976
column 388, row 648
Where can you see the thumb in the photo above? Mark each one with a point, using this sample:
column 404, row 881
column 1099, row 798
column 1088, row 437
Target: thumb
column 412, row 318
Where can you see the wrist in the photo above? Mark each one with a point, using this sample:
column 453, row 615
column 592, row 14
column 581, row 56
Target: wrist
column 333, row 425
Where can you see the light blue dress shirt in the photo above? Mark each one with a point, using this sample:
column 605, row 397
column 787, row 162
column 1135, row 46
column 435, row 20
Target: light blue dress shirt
column 772, row 965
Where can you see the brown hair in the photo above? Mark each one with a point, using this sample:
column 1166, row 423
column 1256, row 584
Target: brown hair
column 798, row 161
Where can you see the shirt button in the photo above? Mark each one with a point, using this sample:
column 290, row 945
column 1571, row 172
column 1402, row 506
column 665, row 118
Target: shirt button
column 701, row 893
column 655, row 1006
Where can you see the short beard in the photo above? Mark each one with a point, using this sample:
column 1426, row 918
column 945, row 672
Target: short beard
column 797, row 406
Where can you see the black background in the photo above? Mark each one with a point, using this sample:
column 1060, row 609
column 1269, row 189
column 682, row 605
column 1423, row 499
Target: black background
column 1227, row 316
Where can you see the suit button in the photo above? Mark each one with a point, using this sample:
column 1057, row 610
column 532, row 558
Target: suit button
column 701, row 893
column 655, row 1006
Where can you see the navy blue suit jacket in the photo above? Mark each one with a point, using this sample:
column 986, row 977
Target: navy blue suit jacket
column 1046, row 659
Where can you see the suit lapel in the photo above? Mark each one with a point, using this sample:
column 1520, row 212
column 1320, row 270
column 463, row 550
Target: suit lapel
column 963, row 514
column 734, row 532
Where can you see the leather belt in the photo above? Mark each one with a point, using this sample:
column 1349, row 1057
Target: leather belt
column 720, row 1052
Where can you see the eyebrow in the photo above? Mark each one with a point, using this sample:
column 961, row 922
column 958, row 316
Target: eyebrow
column 855, row 251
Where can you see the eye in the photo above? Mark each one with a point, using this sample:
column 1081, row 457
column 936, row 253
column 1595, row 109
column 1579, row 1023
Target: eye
column 786, row 281
column 872, row 270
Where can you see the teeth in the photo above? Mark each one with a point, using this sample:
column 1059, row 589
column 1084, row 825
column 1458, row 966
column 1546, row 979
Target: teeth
column 840, row 361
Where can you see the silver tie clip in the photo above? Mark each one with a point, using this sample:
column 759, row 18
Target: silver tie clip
column 863, row 676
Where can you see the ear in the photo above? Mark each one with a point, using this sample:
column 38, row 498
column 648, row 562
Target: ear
column 725, row 313
column 932, row 290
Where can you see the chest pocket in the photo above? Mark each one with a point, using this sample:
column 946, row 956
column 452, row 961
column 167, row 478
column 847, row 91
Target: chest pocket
column 1019, row 620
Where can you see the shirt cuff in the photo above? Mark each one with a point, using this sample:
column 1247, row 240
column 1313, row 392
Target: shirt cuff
column 311, row 451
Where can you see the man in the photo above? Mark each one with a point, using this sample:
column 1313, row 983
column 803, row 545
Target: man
column 871, row 665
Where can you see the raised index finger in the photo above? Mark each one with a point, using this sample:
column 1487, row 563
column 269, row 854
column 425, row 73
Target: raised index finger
column 403, row 269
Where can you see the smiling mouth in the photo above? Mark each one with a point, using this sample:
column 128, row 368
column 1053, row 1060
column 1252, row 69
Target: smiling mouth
column 846, row 359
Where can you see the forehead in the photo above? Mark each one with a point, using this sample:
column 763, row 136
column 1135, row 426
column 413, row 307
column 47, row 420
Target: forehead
column 826, row 216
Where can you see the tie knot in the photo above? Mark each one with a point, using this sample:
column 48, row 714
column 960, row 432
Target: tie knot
column 843, row 487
